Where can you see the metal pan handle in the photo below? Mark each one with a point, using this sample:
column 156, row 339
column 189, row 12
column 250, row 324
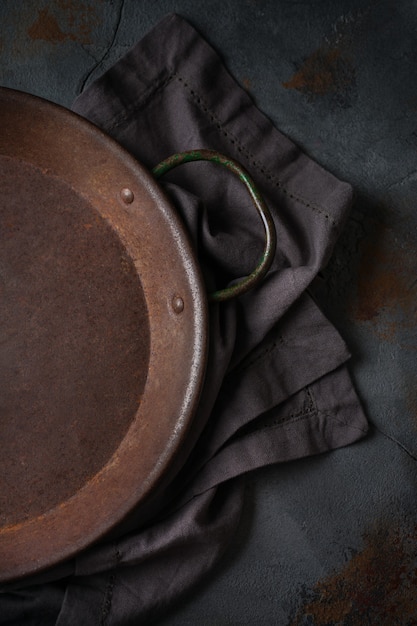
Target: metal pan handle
column 270, row 235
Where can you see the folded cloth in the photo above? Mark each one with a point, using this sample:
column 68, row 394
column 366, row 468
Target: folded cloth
column 277, row 387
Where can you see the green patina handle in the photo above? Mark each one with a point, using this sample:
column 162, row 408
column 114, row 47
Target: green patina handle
column 270, row 235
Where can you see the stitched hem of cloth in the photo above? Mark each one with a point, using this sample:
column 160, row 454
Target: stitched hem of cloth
column 111, row 582
column 261, row 168
column 160, row 69
column 274, row 444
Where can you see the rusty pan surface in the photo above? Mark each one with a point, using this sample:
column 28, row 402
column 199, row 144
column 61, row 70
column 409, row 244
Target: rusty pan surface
column 103, row 334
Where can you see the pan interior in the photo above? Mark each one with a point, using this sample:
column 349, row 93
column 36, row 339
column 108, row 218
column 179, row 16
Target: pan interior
column 74, row 341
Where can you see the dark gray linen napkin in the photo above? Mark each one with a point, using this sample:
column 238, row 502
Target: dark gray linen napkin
column 277, row 388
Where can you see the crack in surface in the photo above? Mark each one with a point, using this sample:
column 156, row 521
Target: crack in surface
column 398, row 183
column 108, row 50
column 394, row 440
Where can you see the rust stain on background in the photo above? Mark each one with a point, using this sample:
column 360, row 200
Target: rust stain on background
column 329, row 70
column 46, row 27
column 387, row 283
column 69, row 21
column 377, row 586
column 325, row 71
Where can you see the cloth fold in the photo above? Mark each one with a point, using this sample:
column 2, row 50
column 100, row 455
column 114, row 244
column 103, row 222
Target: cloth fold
column 277, row 386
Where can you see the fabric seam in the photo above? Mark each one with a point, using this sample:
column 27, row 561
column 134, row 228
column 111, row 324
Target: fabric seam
column 331, row 416
column 147, row 95
column 305, row 411
column 108, row 593
column 246, row 365
column 296, row 415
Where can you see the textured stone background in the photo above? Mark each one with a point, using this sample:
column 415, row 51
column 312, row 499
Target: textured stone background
column 333, row 539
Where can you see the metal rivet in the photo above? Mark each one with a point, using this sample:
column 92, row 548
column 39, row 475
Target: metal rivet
column 127, row 195
column 178, row 304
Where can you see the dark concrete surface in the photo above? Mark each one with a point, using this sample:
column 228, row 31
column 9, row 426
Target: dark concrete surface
column 333, row 539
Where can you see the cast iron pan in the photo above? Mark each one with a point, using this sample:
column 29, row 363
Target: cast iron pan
column 103, row 331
